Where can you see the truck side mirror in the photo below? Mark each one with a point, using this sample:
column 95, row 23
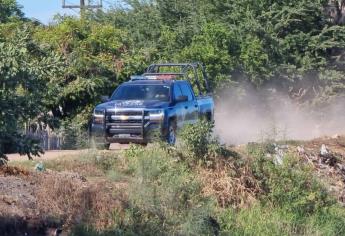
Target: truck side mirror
column 105, row 98
column 181, row 99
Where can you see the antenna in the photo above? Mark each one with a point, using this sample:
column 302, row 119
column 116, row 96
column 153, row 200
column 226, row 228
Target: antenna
column 84, row 4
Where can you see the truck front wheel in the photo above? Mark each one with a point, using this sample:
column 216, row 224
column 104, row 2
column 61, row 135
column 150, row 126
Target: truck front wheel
column 171, row 135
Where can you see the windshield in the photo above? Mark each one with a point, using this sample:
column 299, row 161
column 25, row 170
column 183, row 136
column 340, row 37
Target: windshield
column 142, row 92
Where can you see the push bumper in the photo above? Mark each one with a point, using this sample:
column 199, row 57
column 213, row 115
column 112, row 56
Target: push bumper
column 127, row 127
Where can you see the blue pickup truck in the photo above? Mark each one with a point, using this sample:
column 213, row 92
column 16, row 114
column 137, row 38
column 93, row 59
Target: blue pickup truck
column 162, row 100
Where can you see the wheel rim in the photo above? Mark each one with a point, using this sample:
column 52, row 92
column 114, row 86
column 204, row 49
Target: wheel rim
column 172, row 135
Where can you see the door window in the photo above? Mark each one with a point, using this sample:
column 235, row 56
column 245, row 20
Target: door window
column 186, row 91
column 177, row 91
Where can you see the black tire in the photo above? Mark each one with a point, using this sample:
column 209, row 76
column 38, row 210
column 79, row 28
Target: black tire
column 209, row 117
column 171, row 133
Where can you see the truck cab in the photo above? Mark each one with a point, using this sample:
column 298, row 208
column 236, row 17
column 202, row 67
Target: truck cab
column 155, row 104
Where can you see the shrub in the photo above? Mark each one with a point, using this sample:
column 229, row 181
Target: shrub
column 291, row 185
column 198, row 144
column 293, row 202
column 164, row 196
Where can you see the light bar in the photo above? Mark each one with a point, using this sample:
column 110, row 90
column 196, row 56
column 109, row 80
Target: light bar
column 154, row 77
column 138, row 77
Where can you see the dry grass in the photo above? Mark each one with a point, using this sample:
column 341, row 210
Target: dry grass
column 13, row 170
column 106, row 210
column 230, row 184
column 62, row 197
column 77, row 164
column 59, row 200
column 84, row 168
column 69, row 197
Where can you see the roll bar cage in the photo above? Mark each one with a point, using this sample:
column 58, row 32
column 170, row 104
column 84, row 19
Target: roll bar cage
column 182, row 69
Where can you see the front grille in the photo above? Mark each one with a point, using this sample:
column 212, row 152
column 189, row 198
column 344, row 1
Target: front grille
column 130, row 122
column 129, row 113
column 126, row 121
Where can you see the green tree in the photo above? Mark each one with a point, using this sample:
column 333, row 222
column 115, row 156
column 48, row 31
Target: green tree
column 9, row 11
column 94, row 55
column 25, row 72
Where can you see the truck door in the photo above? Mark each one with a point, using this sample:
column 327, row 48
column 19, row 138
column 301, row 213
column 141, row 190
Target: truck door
column 180, row 111
column 191, row 106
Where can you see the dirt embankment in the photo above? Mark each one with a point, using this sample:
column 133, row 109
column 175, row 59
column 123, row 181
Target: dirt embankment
column 48, row 203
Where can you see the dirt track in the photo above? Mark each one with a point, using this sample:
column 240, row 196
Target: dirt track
column 48, row 155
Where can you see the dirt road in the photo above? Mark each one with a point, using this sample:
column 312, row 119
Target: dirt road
column 54, row 154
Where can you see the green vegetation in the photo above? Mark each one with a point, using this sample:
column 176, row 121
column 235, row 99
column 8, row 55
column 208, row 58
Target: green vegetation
column 167, row 192
column 26, row 70
column 166, row 195
column 200, row 146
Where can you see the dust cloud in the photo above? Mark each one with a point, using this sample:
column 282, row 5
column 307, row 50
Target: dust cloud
column 245, row 115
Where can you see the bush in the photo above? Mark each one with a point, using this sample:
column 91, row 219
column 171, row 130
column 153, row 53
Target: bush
column 164, row 196
column 198, row 144
column 293, row 201
column 291, row 185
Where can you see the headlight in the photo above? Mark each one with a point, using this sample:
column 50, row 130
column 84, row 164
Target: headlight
column 98, row 112
column 156, row 115
column 98, row 116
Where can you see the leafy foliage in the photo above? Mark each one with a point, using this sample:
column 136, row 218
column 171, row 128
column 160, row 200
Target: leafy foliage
column 10, row 11
column 93, row 56
column 166, row 196
column 25, row 71
column 199, row 145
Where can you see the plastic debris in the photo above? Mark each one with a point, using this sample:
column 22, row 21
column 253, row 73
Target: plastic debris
column 40, row 167
column 279, row 153
column 323, row 150
column 300, row 150
column 327, row 157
